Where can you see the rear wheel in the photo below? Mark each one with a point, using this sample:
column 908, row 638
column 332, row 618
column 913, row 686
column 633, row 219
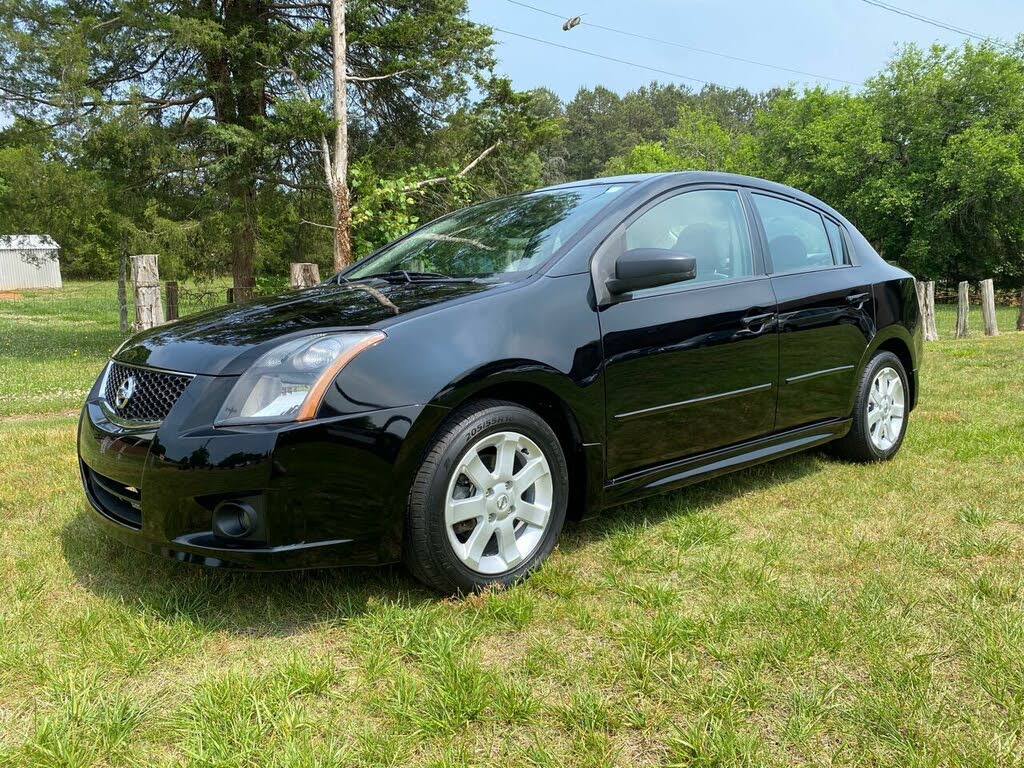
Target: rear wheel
column 879, row 412
column 489, row 500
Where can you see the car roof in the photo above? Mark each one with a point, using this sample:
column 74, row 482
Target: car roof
column 703, row 177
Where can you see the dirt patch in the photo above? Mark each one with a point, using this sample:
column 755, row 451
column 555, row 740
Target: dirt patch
column 10, row 296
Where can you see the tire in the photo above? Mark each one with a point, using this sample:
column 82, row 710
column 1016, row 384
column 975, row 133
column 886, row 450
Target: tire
column 864, row 442
column 451, row 555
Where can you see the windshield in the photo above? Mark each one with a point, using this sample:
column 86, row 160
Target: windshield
column 499, row 237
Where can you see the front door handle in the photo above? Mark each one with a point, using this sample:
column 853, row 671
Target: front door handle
column 857, row 298
column 763, row 319
column 755, row 325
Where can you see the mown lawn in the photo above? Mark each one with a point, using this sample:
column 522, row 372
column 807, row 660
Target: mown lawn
column 807, row 612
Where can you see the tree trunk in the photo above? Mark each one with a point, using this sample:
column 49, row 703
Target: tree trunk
column 988, row 308
column 303, row 275
column 963, row 308
column 241, row 100
column 341, row 205
column 926, row 303
column 243, row 246
column 1020, row 313
column 337, row 172
column 149, row 310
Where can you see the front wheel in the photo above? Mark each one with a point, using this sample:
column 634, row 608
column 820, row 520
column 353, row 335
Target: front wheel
column 489, row 500
column 879, row 412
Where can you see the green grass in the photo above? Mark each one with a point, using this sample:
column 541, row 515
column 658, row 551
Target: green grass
column 53, row 343
column 805, row 612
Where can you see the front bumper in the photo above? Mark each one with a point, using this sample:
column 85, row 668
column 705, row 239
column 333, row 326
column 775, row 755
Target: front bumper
column 329, row 492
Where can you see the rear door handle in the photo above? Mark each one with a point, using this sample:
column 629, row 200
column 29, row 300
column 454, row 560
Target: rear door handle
column 857, row 298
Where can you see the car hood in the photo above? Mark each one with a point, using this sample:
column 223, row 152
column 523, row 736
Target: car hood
column 225, row 341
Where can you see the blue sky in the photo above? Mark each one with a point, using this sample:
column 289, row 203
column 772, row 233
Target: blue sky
column 848, row 39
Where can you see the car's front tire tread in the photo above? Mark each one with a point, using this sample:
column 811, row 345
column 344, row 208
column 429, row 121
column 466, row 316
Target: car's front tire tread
column 425, row 549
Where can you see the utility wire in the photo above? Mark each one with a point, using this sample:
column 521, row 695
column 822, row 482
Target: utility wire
column 602, row 56
column 934, row 22
column 692, row 48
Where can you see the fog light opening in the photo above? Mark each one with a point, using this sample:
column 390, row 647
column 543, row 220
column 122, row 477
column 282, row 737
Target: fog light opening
column 234, row 520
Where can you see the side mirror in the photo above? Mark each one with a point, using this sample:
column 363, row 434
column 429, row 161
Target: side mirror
column 648, row 268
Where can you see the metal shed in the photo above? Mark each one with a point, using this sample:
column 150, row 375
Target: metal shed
column 29, row 261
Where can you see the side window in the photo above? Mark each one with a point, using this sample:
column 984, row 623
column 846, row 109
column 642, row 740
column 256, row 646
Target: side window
column 707, row 224
column 796, row 235
column 835, row 239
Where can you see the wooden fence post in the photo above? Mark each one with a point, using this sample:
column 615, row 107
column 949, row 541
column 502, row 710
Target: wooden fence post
column 149, row 310
column 1020, row 312
column 963, row 308
column 988, row 308
column 926, row 302
column 231, row 295
column 122, row 291
column 172, row 300
column 303, row 275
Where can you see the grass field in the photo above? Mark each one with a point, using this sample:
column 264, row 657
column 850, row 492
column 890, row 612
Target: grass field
column 806, row 612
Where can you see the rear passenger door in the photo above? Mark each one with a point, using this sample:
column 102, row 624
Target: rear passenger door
column 825, row 308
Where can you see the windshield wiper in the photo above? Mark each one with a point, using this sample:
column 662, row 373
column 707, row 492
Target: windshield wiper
column 405, row 275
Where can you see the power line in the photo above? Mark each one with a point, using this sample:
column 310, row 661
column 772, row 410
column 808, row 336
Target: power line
column 602, row 56
column 934, row 22
column 692, row 48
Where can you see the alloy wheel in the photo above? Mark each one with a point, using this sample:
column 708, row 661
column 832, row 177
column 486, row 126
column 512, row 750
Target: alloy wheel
column 886, row 409
column 499, row 502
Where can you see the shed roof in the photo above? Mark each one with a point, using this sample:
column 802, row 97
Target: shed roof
column 27, row 243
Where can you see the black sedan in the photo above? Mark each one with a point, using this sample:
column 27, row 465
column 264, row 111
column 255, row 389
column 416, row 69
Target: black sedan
column 452, row 399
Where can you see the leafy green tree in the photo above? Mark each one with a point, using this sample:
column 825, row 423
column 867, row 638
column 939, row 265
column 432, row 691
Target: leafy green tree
column 600, row 125
column 647, row 157
column 220, row 83
column 696, row 142
column 926, row 160
column 40, row 194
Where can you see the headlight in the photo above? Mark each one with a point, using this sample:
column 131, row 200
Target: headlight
column 289, row 381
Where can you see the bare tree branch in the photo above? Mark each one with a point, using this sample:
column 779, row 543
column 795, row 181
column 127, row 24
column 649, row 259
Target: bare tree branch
column 370, row 78
column 289, row 183
column 459, row 175
column 298, row 6
column 316, row 224
column 154, row 103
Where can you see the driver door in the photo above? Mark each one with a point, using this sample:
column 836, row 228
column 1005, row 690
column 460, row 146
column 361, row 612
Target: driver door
column 693, row 366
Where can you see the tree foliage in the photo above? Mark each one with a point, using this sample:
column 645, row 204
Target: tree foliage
column 192, row 129
column 926, row 160
column 224, row 98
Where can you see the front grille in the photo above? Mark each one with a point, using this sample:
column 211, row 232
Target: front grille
column 121, row 503
column 153, row 394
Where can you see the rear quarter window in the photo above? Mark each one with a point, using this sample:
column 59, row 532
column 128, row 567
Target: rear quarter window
column 837, row 241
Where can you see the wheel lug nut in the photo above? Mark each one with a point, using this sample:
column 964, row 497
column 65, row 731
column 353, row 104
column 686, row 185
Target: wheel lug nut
column 508, row 484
